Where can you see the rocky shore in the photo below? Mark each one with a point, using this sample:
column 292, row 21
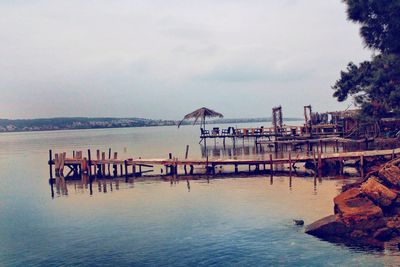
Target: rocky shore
column 365, row 212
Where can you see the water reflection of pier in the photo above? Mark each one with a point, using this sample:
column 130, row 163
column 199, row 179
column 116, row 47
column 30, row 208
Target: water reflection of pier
column 232, row 151
column 61, row 187
column 86, row 186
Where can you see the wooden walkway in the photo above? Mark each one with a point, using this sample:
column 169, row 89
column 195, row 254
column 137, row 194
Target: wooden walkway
column 114, row 167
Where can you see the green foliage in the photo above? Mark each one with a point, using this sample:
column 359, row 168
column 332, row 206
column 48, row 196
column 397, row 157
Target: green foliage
column 375, row 84
column 380, row 23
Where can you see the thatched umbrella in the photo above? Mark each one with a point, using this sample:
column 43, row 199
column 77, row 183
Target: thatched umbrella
column 201, row 113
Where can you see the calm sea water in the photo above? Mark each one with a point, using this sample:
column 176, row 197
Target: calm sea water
column 223, row 222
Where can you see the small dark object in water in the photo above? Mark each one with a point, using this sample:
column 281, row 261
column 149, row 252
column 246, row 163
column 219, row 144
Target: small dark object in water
column 298, row 222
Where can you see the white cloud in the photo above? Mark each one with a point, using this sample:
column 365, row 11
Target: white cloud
column 162, row 59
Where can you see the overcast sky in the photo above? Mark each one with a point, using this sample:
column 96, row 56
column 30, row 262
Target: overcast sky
column 165, row 58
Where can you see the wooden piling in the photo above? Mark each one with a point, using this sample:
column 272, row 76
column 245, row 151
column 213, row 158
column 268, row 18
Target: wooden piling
column 341, row 166
column 84, row 166
column 98, row 166
column 320, row 145
column 89, row 163
column 108, row 165
column 315, row 163
column 362, row 166
column 191, row 169
column 186, row 156
column 290, row 165
column 51, row 163
column 62, row 162
column 56, row 164
column 103, row 166
column 126, row 170
column 115, row 170
column 169, row 166
column 319, row 161
column 187, row 152
column 271, row 168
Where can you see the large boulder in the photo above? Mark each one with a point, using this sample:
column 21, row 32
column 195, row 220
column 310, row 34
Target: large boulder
column 384, row 234
column 390, row 174
column 328, row 227
column 379, row 193
column 357, row 211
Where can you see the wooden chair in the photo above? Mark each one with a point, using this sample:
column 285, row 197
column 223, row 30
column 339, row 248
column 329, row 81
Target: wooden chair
column 226, row 131
column 215, row 131
column 204, row 132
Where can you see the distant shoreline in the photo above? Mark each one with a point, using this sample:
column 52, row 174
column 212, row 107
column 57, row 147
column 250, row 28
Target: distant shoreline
column 83, row 123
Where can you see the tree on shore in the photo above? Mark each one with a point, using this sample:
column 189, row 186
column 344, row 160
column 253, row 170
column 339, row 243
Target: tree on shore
column 374, row 84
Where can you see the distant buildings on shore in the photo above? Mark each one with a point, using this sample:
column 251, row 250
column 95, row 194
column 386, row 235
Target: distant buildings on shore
column 53, row 124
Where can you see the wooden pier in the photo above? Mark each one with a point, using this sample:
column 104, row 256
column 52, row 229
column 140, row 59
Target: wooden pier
column 109, row 165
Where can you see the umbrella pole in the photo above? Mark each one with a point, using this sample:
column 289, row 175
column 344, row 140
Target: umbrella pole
column 205, row 139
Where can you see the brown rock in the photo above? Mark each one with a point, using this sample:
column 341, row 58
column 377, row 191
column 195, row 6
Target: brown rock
column 348, row 194
column 357, row 211
column 393, row 222
column 358, row 234
column 383, row 234
column 328, row 227
column 391, row 174
column 379, row 193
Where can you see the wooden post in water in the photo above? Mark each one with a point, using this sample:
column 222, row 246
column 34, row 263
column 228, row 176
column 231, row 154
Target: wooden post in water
column 56, row 164
column 319, row 161
column 115, row 170
column 103, row 165
column 89, row 163
column 98, row 166
column 108, row 165
column 176, row 166
column 62, row 163
column 134, row 170
column 186, row 156
column 84, row 165
column 170, row 166
column 320, row 145
column 362, row 166
column 51, row 164
column 191, row 169
column 290, row 165
column 341, row 165
column 187, row 152
column 126, row 170
column 315, row 163
column 140, row 169
column 271, row 168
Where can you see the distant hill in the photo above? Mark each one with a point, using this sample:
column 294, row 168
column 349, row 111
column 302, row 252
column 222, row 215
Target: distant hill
column 51, row 124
